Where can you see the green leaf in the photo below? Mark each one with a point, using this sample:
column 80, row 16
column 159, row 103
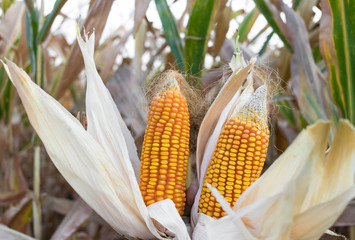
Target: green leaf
column 199, row 27
column 337, row 34
column 305, row 98
column 8, row 99
column 247, row 24
column 31, row 24
column 30, row 40
column 237, row 13
column 3, row 80
column 316, row 54
column 313, row 103
column 287, row 112
column 171, row 33
column 3, row 85
column 296, row 3
column 257, row 36
column 271, row 20
column 263, row 48
column 302, row 121
column 49, row 20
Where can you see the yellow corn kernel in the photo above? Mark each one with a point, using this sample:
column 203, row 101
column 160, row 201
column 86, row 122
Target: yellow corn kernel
column 236, row 182
column 168, row 120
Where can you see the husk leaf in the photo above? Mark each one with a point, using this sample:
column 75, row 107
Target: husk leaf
column 79, row 158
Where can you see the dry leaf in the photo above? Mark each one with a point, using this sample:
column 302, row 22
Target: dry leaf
column 15, row 186
column 96, row 19
column 305, row 10
column 17, row 217
column 10, row 27
column 303, row 55
column 106, row 57
column 78, row 214
column 10, row 234
column 130, row 100
column 221, row 29
column 140, row 9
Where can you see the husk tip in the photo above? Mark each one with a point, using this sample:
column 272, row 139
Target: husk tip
column 345, row 123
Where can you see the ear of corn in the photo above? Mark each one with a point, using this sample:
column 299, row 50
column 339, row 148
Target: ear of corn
column 239, row 156
column 165, row 150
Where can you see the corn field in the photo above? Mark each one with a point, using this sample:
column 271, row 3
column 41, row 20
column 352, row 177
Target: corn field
column 177, row 119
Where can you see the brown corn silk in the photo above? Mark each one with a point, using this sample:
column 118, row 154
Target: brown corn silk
column 166, row 149
column 239, row 155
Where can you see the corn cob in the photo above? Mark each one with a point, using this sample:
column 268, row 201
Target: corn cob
column 238, row 158
column 165, row 150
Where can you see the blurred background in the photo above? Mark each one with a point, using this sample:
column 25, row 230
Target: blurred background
column 305, row 48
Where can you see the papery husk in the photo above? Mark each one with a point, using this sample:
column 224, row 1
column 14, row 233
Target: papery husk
column 298, row 197
column 331, row 188
column 162, row 212
column 78, row 157
column 104, row 124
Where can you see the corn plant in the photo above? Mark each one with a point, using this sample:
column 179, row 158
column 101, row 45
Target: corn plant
column 192, row 153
